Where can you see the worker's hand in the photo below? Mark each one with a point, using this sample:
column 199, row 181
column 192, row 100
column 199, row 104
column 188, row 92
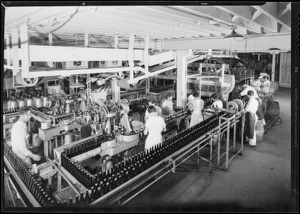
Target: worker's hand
column 36, row 157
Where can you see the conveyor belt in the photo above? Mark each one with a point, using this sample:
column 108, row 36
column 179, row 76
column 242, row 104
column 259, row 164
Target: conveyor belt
column 26, row 195
column 161, row 160
column 18, row 189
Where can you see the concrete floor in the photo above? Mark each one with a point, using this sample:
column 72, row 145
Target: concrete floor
column 258, row 181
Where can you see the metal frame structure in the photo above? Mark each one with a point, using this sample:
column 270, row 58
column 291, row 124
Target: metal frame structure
column 128, row 190
column 21, row 184
column 230, row 123
column 31, row 53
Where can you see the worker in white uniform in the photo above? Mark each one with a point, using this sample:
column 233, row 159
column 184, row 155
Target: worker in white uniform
column 256, row 83
column 155, row 125
column 191, row 97
column 217, row 103
column 152, row 102
column 197, row 107
column 190, row 100
column 20, row 139
column 265, row 86
column 247, row 88
column 168, row 104
column 251, row 118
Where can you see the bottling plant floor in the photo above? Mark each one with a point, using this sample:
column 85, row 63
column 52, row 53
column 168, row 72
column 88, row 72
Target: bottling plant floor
column 257, row 181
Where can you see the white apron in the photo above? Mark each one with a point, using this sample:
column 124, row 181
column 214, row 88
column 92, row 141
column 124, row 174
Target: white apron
column 196, row 116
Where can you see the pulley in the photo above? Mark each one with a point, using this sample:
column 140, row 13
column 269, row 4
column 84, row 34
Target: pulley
column 240, row 104
column 87, row 117
column 231, row 105
column 26, row 81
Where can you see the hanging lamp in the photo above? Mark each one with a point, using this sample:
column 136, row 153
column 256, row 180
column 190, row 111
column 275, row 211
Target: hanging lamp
column 233, row 35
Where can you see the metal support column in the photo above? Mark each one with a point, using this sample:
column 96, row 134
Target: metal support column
column 25, row 50
column 234, row 133
column 181, row 65
column 242, row 133
column 146, row 62
column 227, row 144
column 130, row 55
column 273, row 66
column 50, row 37
column 115, row 89
column 15, row 50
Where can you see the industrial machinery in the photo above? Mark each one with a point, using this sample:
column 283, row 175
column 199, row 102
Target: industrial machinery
column 218, row 71
column 81, row 174
column 83, row 146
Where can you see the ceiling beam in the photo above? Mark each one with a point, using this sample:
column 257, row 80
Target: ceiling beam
column 117, row 22
column 245, row 13
column 160, row 18
column 173, row 13
column 256, row 14
column 41, row 15
column 223, row 18
column 269, row 25
column 133, row 15
column 270, row 10
column 252, row 44
column 121, row 30
column 287, row 9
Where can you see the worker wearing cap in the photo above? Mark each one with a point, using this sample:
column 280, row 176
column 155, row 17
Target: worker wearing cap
column 155, row 125
column 247, row 88
column 20, row 138
column 251, row 118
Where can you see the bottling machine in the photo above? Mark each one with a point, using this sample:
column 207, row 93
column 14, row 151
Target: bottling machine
column 85, row 151
column 81, row 173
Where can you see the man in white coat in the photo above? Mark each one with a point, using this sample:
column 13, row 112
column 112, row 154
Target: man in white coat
column 251, row 118
column 248, row 88
column 20, row 138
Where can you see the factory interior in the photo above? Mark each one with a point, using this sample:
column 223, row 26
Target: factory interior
column 149, row 108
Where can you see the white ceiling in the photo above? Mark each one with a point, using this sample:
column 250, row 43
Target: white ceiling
column 161, row 23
